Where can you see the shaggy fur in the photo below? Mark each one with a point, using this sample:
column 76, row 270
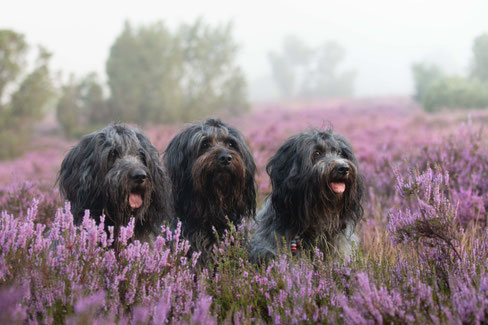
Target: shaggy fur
column 117, row 172
column 304, row 202
column 212, row 172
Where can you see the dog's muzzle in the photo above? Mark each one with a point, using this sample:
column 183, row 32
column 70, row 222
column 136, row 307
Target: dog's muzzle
column 137, row 177
column 339, row 174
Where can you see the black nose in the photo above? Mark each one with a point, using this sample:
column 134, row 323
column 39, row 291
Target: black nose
column 224, row 159
column 138, row 175
column 342, row 168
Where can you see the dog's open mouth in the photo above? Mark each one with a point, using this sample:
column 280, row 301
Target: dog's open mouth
column 135, row 200
column 338, row 187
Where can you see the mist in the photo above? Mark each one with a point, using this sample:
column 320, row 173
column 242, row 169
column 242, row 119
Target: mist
column 381, row 38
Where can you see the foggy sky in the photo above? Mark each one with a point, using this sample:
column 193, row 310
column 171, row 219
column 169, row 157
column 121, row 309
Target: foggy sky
column 382, row 38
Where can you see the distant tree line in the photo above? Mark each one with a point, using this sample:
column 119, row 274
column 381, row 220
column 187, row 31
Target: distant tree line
column 436, row 90
column 154, row 75
column 158, row 76
column 301, row 71
column 24, row 93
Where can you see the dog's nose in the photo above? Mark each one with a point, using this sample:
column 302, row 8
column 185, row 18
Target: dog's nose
column 224, row 158
column 342, row 168
column 138, row 175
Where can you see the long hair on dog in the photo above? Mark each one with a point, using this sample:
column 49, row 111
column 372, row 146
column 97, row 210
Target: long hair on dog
column 212, row 172
column 116, row 171
column 315, row 199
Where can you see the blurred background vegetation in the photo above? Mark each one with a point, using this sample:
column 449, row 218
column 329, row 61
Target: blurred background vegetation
column 301, row 71
column 156, row 75
column 436, row 90
column 24, row 93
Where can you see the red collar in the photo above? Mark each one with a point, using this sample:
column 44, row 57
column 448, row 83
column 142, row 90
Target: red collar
column 295, row 244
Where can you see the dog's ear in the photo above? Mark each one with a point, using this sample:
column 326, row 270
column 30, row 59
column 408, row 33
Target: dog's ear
column 284, row 170
column 355, row 208
column 284, row 166
column 160, row 203
column 79, row 174
column 176, row 157
column 250, row 183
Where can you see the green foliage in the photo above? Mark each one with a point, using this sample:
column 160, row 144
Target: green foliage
column 456, row 92
column 301, row 71
column 424, row 75
column 435, row 90
column 29, row 92
column 82, row 106
column 160, row 76
column 480, row 52
column 12, row 56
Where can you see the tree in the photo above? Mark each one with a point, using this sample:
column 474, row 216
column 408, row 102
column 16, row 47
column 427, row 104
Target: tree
column 13, row 48
column 323, row 80
column 424, row 76
column 82, row 107
column 160, row 76
column 144, row 69
column 302, row 71
column 435, row 91
column 23, row 95
column 210, row 80
column 480, row 53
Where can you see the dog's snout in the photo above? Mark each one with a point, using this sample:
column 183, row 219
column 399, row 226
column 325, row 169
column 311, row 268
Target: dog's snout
column 342, row 168
column 138, row 175
column 224, row 158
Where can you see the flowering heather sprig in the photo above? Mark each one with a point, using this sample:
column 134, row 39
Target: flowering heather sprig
column 429, row 215
column 464, row 156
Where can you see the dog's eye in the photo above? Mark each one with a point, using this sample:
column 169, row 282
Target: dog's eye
column 114, row 154
column 316, row 154
column 143, row 157
column 231, row 144
column 205, row 144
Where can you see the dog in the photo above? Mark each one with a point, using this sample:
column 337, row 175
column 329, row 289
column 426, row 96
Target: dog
column 212, row 172
column 315, row 199
column 117, row 172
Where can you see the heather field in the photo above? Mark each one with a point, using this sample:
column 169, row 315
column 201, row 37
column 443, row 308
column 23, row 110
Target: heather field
column 422, row 259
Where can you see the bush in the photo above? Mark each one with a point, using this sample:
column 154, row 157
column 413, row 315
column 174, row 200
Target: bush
column 455, row 92
column 22, row 108
column 82, row 107
column 157, row 75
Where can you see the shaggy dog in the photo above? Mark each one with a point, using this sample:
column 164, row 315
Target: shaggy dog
column 117, row 172
column 315, row 200
column 212, row 172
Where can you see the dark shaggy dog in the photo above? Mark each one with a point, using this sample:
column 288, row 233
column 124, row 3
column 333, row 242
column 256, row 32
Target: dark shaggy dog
column 212, row 171
column 315, row 199
column 117, row 172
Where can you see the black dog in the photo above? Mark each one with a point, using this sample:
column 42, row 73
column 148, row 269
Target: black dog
column 316, row 196
column 212, row 172
column 117, row 172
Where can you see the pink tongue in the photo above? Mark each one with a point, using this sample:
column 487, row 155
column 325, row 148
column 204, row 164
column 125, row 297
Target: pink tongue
column 338, row 187
column 135, row 201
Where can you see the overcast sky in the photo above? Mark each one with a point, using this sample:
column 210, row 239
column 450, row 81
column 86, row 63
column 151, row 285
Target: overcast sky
column 381, row 37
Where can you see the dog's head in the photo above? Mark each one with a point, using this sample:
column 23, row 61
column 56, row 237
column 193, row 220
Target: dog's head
column 316, row 183
column 116, row 170
column 212, row 163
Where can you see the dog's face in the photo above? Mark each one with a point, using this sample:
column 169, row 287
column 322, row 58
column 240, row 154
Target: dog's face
column 333, row 164
column 212, row 161
column 127, row 176
column 315, row 181
column 218, row 162
column 115, row 171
